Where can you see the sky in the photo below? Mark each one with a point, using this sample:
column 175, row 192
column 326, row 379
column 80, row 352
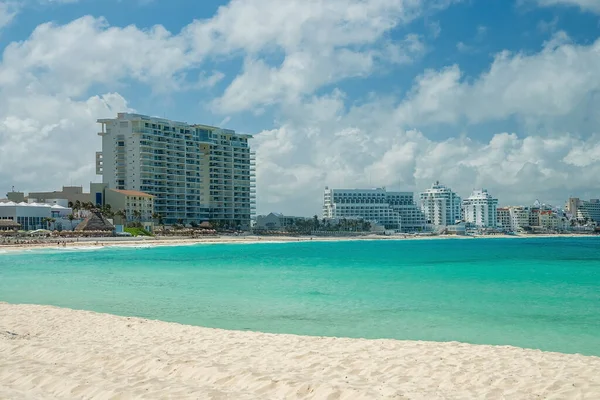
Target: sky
column 495, row 94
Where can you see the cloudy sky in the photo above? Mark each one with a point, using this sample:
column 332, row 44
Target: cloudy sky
column 500, row 94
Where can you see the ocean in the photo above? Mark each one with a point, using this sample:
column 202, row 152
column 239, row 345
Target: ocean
column 541, row 293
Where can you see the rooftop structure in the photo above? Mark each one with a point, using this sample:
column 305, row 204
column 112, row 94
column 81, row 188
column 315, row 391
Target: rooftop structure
column 70, row 193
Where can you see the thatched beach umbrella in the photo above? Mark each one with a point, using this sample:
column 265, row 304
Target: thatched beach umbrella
column 95, row 223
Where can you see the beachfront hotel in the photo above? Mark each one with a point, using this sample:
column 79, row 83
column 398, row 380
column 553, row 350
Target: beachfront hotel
column 195, row 172
column 394, row 210
column 441, row 206
column 584, row 210
column 480, row 209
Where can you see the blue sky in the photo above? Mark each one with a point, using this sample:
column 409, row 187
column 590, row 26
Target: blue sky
column 501, row 94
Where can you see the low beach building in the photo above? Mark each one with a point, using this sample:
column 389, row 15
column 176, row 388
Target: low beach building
column 9, row 225
column 31, row 216
column 394, row 210
column 277, row 221
column 137, row 206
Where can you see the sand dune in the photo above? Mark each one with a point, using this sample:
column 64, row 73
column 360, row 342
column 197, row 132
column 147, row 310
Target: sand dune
column 48, row 352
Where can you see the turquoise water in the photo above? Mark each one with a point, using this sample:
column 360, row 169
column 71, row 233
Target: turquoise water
column 535, row 293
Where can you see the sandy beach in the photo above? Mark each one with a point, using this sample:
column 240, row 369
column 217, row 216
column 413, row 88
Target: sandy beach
column 228, row 239
column 48, row 352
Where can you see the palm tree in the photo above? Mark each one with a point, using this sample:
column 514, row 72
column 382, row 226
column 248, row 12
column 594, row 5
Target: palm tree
column 71, row 217
column 77, row 205
column 107, row 211
column 121, row 214
column 316, row 222
column 159, row 218
column 137, row 215
column 366, row 226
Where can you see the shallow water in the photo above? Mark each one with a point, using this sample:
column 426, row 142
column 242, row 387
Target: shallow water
column 536, row 293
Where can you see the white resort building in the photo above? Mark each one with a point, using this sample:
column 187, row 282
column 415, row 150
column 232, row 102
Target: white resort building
column 584, row 210
column 480, row 209
column 196, row 173
column 394, row 210
column 441, row 206
column 31, row 216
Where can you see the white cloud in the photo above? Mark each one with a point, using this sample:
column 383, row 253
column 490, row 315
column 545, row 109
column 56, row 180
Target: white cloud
column 320, row 143
column 72, row 57
column 550, row 84
column 8, row 10
column 47, row 141
column 47, row 116
column 586, row 5
column 463, row 47
column 363, row 148
column 292, row 50
column 548, row 26
column 434, row 29
column 322, row 42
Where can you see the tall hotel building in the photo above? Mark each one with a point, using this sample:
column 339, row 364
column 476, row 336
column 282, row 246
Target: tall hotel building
column 441, row 206
column 195, row 172
column 480, row 209
column 394, row 210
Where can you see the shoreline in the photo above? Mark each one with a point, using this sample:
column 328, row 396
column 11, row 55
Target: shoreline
column 104, row 242
column 52, row 353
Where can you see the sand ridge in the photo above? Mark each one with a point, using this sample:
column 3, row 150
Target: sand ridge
column 49, row 352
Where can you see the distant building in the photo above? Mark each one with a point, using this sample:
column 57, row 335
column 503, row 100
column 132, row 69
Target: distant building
column 480, row 209
column 16, row 197
column 276, row 221
column 584, row 210
column 549, row 220
column 394, row 210
column 519, row 218
column 503, row 220
column 441, row 206
column 70, row 193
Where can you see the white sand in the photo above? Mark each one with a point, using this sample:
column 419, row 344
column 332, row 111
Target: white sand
column 96, row 243
column 48, row 352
